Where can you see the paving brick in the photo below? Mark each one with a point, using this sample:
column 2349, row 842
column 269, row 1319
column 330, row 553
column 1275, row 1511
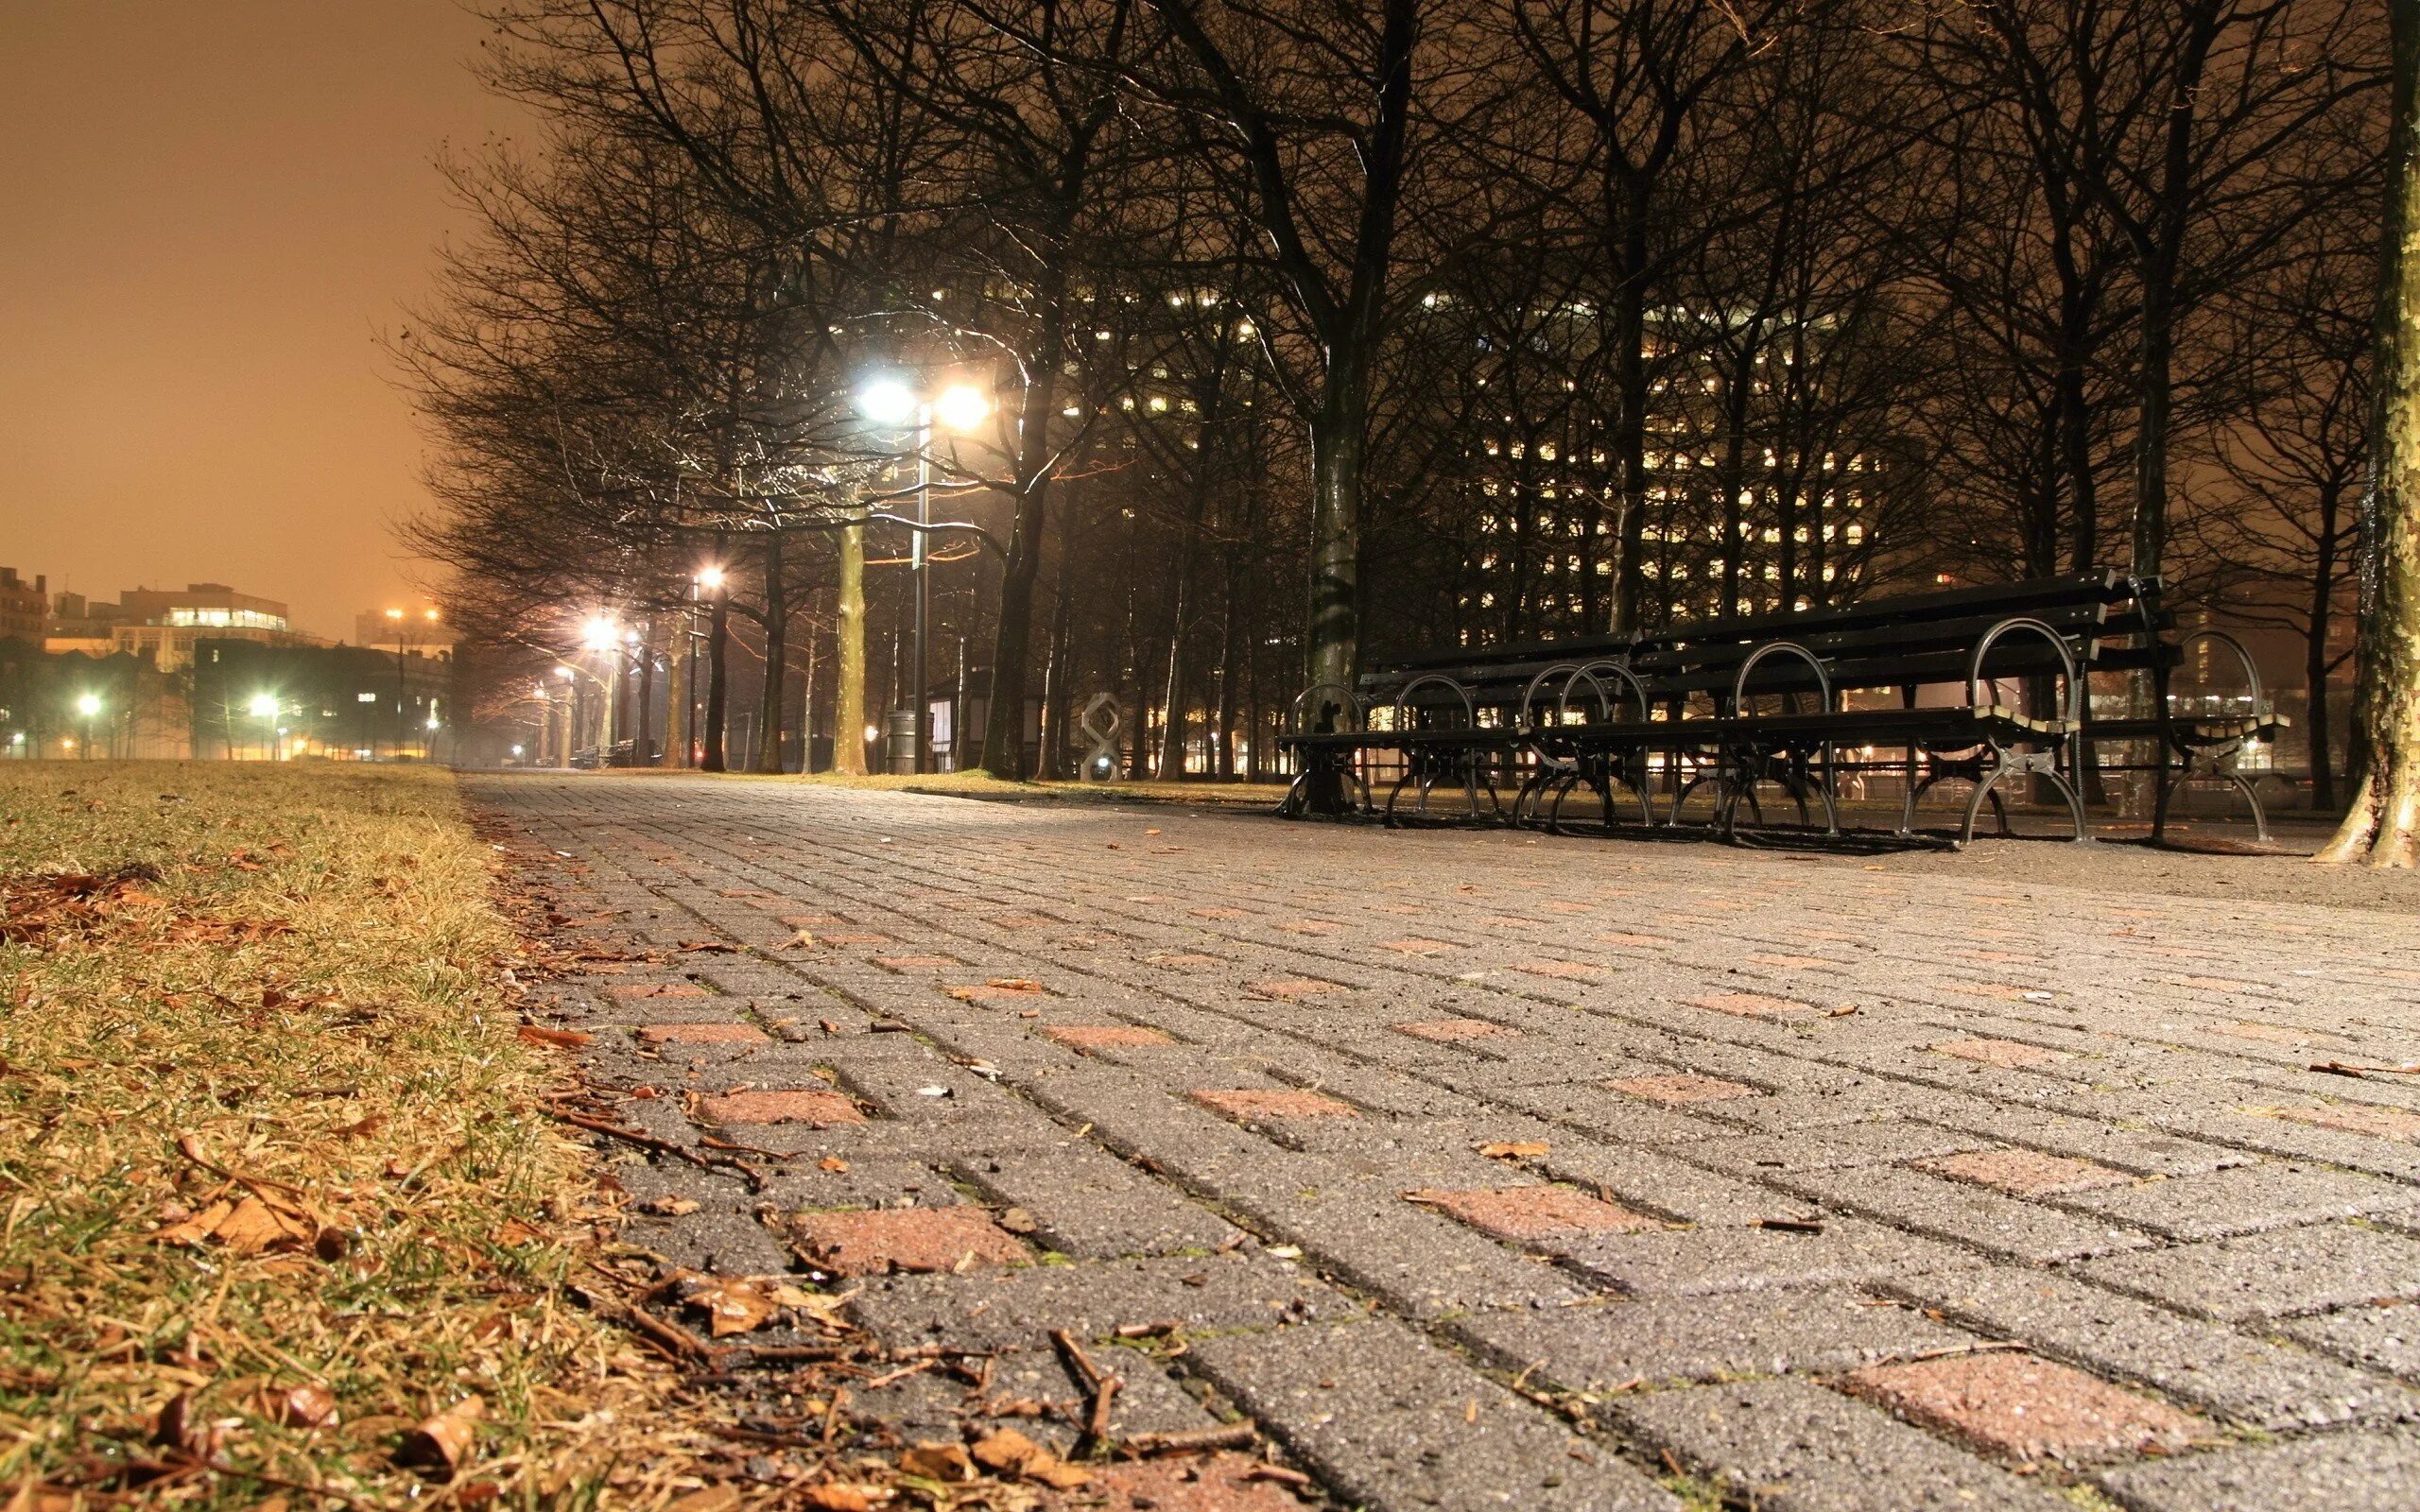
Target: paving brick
column 1454, row 1031
column 2271, row 1275
column 2208, row 1365
column 2383, row 1338
column 1224, row 1481
column 2246, row 1199
column 702, row 1034
column 1990, row 1222
column 1107, row 1035
column 1533, row 1214
column 2006, row 1054
column 2341, row 1472
column 1826, row 1149
column 1390, row 1420
column 778, row 1106
column 1704, row 1262
column 633, row 990
column 1666, row 1340
column 1752, row 1005
column 1291, row 989
column 1247, row 1104
column 1680, row 1088
column 1086, row 1203
column 2357, row 1118
column 1790, row 1446
column 1563, row 970
column 914, row 1239
column 2023, row 1408
column 2023, row 1173
column 1417, row 947
column 1000, row 1310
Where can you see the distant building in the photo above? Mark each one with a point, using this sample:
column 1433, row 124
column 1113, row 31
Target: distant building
column 24, row 608
column 342, row 702
column 164, row 624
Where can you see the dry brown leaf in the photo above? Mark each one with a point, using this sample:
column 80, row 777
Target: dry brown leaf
column 444, row 1441
column 311, row 1405
column 832, row 1164
column 711, row 1499
column 1017, row 983
column 1010, row 1453
column 946, row 1463
column 834, row 1497
column 671, row 1207
column 567, row 1039
column 254, row 1228
column 1514, row 1149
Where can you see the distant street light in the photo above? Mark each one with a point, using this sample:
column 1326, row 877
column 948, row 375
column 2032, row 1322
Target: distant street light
column 264, row 708
column 960, row 407
column 87, row 705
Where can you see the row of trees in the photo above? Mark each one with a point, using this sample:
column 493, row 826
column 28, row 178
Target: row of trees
column 1318, row 326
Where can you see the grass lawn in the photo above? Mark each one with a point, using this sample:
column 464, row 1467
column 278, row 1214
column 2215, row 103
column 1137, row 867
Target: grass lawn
column 278, row 1213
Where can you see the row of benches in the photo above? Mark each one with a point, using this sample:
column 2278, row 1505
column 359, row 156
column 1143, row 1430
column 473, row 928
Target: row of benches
column 1987, row 686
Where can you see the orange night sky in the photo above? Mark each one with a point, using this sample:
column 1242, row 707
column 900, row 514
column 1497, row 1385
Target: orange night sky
column 209, row 209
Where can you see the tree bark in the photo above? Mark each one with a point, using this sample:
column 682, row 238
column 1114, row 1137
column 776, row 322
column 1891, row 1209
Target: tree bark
column 849, row 697
column 777, row 627
column 2383, row 825
column 717, row 682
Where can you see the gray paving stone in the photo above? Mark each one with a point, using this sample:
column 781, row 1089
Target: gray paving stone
column 1790, row 1446
column 1827, row 1150
column 2244, row 1200
column 1091, row 1205
column 1664, row 1340
column 935, row 1404
column 2236, row 1376
column 1392, row 1421
column 1992, row 1223
column 2337, row 1473
column 2383, row 1338
column 2271, row 1275
column 1014, row 1309
column 1703, row 1262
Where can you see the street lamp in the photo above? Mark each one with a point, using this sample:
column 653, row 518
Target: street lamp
column 708, row 581
column 87, row 705
column 960, row 407
column 264, row 708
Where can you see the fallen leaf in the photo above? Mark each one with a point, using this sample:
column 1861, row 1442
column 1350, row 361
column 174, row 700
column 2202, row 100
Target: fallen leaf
column 1018, row 1221
column 799, row 942
column 833, row 1163
column 1010, row 1453
column 1016, row 984
column 1514, row 1149
column 307, row 1406
column 568, row 1038
column 671, row 1207
column 441, row 1442
column 834, row 1497
column 711, row 1499
column 946, row 1463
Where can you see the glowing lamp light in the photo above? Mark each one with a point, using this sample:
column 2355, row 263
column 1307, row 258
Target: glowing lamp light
column 963, row 407
column 887, row 402
column 264, row 706
column 89, row 705
column 710, row 578
column 873, row 733
column 563, row 673
column 599, row 633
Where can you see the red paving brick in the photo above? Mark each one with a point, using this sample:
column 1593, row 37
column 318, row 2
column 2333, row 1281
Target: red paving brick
column 1563, row 970
column 1296, row 986
column 1750, row 1006
column 2358, row 1118
column 1524, row 1214
column 2024, row 1408
column 2274, row 1034
column 2024, row 1173
column 1680, row 1088
column 1255, row 1102
column 2006, row 1054
column 702, row 1034
column 999, row 989
column 1106, row 1035
column 907, row 1239
column 657, row 990
column 1417, row 947
column 1220, row 1483
column 1452, row 1031
column 780, row 1106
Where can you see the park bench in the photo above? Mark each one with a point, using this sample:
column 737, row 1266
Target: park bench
column 1805, row 701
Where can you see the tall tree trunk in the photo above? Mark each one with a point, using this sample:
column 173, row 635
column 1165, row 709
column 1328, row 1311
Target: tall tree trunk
column 2383, row 824
column 1230, row 630
column 849, row 698
column 2321, row 622
column 1339, row 436
column 777, row 629
column 1055, row 695
column 2154, row 387
column 1174, row 728
column 1012, row 646
column 718, row 680
column 1630, row 401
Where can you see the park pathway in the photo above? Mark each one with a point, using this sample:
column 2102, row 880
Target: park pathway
column 1485, row 1170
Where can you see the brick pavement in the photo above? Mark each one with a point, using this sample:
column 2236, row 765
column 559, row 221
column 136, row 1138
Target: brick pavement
column 1481, row 1169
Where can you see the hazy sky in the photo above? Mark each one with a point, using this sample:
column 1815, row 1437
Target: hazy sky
column 208, row 211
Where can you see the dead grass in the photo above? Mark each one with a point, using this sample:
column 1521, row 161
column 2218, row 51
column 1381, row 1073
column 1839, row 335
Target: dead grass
column 280, row 1219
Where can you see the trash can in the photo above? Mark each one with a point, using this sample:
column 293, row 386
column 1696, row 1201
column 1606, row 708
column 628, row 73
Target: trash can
column 899, row 746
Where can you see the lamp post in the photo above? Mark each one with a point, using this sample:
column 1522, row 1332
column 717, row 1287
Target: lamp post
column 961, row 407
column 565, row 735
column 87, row 705
column 709, row 581
column 602, row 637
